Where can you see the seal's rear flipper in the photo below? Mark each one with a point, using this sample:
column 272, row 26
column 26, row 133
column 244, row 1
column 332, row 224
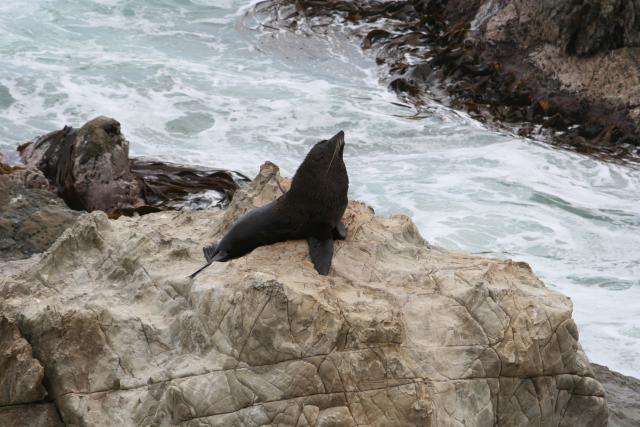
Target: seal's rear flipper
column 210, row 251
column 321, row 253
column 212, row 254
column 339, row 232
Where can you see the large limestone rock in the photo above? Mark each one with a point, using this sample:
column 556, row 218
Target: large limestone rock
column 400, row 333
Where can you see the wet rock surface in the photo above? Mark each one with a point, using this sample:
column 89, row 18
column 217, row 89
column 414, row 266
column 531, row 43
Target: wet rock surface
column 400, row 332
column 90, row 169
column 71, row 170
column 595, row 26
column 31, row 216
column 623, row 396
column 563, row 72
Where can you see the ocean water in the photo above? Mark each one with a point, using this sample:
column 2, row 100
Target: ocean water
column 194, row 81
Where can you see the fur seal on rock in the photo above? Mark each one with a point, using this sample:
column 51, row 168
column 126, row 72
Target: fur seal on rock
column 311, row 210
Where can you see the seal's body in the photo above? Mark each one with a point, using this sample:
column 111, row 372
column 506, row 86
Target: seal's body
column 311, row 209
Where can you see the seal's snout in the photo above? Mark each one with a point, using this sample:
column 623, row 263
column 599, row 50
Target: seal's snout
column 338, row 138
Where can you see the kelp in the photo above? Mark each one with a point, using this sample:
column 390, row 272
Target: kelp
column 169, row 185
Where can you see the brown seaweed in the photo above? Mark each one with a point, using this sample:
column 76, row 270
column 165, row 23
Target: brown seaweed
column 169, row 184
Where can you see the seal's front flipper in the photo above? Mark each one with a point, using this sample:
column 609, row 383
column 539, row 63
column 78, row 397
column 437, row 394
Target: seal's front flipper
column 339, row 232
column 321, row 253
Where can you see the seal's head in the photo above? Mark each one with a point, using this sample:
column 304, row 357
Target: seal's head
column 322, row 176
column 327, row 152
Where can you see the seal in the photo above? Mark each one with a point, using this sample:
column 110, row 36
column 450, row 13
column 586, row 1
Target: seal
column 312, row 209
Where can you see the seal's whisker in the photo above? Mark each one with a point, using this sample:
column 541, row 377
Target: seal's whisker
column 335, row 150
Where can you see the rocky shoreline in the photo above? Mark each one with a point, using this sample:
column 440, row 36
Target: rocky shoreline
column 119, row 287
column 400, row 333
column 97, row 314
column 549, row 72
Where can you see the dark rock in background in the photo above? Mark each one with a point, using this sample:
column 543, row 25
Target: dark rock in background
column 570, row 66
column 31, row 216
column 594, row 26
column 565, row 72
column 623, row 396
column 90, row 169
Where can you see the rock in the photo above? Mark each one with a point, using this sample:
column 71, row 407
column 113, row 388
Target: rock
column 91, row 170
column 31, row 217
column 20, row 374
column 35, row 415
column 400, row 333
column 622, row 394
column 580, row 58
column 5, row 168
column 21, row 389
column 89, row 167
column 562, row 71
column 595, row 26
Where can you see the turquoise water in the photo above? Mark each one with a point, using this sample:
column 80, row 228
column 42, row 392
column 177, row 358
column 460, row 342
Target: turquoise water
column 192, row 82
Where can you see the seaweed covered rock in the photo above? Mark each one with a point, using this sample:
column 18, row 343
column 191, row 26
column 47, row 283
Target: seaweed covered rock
column 564, row 71
column 399, row 333
column 570, row 66
column 88, row 167
column 91, row 170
